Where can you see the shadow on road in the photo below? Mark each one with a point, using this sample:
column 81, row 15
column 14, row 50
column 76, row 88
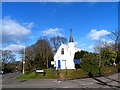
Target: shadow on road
column 105, row 83
column 23, row 80
column 113, row 79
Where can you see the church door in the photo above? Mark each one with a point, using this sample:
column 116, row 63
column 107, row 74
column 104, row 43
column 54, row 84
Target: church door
column 59, row 64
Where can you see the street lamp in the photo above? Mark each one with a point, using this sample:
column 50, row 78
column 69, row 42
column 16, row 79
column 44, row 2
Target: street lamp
column 24, row 61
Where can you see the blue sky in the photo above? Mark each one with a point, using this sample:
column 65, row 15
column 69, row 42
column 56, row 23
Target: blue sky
column 25, row 23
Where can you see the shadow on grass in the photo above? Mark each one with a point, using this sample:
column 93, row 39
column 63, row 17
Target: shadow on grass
column 104, row 83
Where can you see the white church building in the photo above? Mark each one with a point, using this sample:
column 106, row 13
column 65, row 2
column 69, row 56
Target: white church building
column 64, row 57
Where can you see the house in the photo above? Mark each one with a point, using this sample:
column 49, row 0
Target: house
column 64, row 57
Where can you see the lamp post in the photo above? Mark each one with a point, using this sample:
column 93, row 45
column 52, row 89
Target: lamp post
column 24, row 61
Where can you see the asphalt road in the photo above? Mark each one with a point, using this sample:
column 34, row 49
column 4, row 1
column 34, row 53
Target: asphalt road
column 10, row 81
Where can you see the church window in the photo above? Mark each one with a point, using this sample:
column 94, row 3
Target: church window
column 62, row 51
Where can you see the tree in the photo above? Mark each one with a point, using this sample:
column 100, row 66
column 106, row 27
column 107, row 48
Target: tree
column 79, row 55
column 44, row 52
column 8, row 56
column 107, row 54
column 38, row 55
column 57, row 41
column 8, row 61
column 0, row 58
column 115, row 36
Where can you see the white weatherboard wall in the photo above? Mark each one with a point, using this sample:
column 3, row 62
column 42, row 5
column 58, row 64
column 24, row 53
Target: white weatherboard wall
column 66, row 59
column 65, row 55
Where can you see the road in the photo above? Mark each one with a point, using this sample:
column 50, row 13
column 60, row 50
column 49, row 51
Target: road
column 10, row 81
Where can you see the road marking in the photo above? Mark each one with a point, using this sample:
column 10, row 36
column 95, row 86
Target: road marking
column 87, row 84
column 55, row 81
column 58, row 81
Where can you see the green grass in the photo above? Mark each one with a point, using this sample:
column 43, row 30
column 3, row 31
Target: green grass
column 71, row 73
column 74, row 73
column 49, row 75
column 27, row 76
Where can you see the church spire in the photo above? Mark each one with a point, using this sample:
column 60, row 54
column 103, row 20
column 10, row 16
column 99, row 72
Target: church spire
column 71, row 38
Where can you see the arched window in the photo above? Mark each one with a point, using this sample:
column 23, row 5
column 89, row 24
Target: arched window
column 62, row 51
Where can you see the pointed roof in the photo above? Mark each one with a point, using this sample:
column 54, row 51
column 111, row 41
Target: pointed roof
column 71, row 38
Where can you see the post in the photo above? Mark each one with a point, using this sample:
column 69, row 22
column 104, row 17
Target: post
column 24, row 61
column 100, row 65
column 65, row 67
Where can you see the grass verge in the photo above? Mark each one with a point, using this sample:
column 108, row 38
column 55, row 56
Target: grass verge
column 73, row 73
column 68, row 74
column 33, row 75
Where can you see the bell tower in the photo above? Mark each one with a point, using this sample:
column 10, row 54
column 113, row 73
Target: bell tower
column 71, row 52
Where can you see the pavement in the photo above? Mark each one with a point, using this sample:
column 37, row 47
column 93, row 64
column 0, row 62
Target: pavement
column 112, row 81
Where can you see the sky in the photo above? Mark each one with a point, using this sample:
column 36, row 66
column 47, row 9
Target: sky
column 23, row 23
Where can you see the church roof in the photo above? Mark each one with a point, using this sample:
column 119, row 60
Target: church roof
column 65, row 46
column 71, row 38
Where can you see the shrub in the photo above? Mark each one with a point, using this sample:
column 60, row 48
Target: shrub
column 118, row 66
column 106, row 70
column 89, row 63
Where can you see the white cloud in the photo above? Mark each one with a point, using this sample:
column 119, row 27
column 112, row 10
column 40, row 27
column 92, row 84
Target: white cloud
column 13, row 31
column 95, row 35
column 29, row 25
column 76, row 43
column 11, row 27
column 14, row 47
column 108, row 41
column 90, row 46
column 52, row 32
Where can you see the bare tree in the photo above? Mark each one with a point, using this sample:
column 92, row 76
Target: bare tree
column 8, row 56
column 115, row 36
column 57, row 41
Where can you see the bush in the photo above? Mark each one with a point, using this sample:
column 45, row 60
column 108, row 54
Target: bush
column 89, row 63
column 118, row 66
column 77, row 66
column 106, row 70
